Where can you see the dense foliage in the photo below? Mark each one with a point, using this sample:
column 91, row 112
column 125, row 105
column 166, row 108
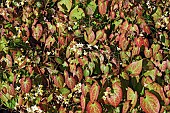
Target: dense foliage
column 78, row 56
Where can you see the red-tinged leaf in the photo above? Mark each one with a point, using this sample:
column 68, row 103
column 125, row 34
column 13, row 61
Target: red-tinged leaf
column 9, row 61
column 134, row 68
column 11, row 90
column 158, row 56
column 49, row 41
column 70, row 81
column 26, row 84
column 94, row 92
column 146, row 80
column 146, row 42
column 83, row 61
column 99, row 34
column 94, row 107
column 114, row 96
column 112, row 14
column 20, row 100
column 79, row 73
column 157, row 88
column 146, row 29
column 51, row 27
column 58, row 80
column 123, row 42
column 138, row 41
column 163, row 66
column 168, row 64
column 150, row 103
column 37, row 31
column 61, row 40
column 85, row 88
column 135, row 51
column 83, row 102
column 62, row 109
column 102, row 6
column 155, row 48
column 131, row 95
column 125, row 25
column 91, row 37
column 126, row 106
column 148, row 52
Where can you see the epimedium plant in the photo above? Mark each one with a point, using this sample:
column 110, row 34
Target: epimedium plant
column 95, row 56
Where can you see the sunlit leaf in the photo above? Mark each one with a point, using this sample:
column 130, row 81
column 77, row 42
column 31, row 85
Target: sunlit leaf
column 76, row 14
column 64, row 5
column 91, row 7
column 150, row 103
column 94, row 107
column 131, row 95
column 115, row 95
column 26, row 84
column 134, row 68
column 94, row 92
column 125, row 106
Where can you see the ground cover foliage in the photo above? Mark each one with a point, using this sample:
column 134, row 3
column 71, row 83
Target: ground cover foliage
column 78, row 56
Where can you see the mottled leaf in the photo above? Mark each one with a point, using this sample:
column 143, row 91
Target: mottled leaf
column 94, row 92
column 134, row 68
column 94, row 107
column 150, row 103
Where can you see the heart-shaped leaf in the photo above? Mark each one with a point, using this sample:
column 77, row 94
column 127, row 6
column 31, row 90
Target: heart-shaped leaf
column 138, row 41
column 70, row 81
column 114, row 96
column 85, row 88
column 49, row 41
column 102, row 6
column 146, row 42
column 134, row 68
column 94, row 92
column 58, row 80
column 150, row 103
column 148, row 52
column 37, row 31
column 94, row 107
column 11, row 90
column 157, row 88
column 131, row 95
column 76, row 14
column 26, row 84
column 79, row 73
column 99, row 34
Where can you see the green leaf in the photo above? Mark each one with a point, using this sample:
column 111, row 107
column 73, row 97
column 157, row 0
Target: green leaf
column 76, row 14
column 86, row 72
column 150, row 104
column 91, row 7
column 3, row 44
column 134, row 68
column 50, row 97
column 59, row 60
column 64, row 91
column 157, row 14
column 65, row 5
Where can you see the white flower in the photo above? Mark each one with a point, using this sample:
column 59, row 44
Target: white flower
column 17, row 88
column 89, row 46
column 85, row 53
column 96, row 46
column 79, row 45
column 69, row 28
column 59, row 24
